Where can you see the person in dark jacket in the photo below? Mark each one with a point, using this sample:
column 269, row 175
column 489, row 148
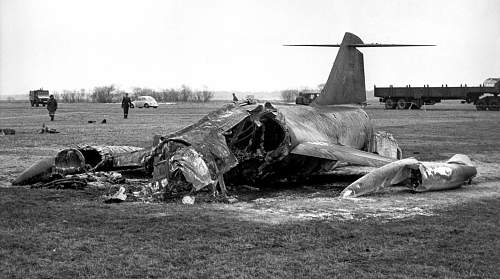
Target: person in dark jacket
column 52, row 107
column 235, row 99
column 126, row 105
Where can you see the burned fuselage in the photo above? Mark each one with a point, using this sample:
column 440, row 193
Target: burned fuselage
column 239, row 144
column 265, row 141
column 258, row 143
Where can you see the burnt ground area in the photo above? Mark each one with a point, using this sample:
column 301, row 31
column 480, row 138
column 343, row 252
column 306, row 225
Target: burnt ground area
column 300, row 230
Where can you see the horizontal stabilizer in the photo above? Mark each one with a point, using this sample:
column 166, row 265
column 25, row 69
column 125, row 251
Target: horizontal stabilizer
column 385, row 45
column 362, row 45
column 341, row 153
column 315, row 45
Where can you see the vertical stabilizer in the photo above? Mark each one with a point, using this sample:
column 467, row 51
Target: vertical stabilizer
column 346, row 82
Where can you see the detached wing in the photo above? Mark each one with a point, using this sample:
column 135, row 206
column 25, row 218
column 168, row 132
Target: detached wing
column 341, row 153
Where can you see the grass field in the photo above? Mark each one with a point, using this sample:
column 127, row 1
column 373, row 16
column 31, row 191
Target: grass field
column 303, row 231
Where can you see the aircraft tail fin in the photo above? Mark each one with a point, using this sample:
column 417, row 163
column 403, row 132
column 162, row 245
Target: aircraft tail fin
column 346, row 82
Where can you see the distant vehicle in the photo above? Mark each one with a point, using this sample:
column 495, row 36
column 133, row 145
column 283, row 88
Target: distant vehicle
column 38, row 97
column 306, row 97
column 415, row 97
column 144, row 102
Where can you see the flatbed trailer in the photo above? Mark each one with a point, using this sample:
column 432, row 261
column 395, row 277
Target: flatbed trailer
column 415, row 97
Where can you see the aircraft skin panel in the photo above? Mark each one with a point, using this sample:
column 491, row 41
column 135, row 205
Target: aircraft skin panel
column 222, row 119
column 340, row 153
column 346, row 126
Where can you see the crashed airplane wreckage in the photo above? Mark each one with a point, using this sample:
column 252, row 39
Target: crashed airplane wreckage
column 259, row 144
column 251, row 143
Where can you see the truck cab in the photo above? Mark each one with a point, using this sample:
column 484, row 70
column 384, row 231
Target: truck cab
column 306, row 97
column 38, row 97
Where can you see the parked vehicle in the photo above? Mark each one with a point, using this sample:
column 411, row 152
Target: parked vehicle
column 415, row 97
column 38, row 97
column 144, row 102
column 306, row 97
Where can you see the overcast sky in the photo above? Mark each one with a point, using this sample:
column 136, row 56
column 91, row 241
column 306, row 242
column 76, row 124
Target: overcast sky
column 237, row 45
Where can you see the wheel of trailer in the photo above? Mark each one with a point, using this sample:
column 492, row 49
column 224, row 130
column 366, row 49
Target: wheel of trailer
column 494, row 105
column 481, row 105
column 299, row 100
column 390, row 104
column 401, row 104
column 37, row 104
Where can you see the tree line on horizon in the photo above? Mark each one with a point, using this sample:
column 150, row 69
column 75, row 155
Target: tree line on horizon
column 111, row 94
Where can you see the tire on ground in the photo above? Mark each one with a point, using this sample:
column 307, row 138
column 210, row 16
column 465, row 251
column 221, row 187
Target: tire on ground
column 299, row 100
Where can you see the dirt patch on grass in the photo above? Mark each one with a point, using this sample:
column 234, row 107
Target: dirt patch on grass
column 322, row 203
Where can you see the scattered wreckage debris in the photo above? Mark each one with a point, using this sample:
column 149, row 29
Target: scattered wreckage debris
column 7, row 131
column 97, row 158
column 63, row 183
column 119, row 196
column 81, row 181
column 250, row 188
column 188, row 200
column 46, row 130
column 418, row 176
column 82, row 159
column 94, row 121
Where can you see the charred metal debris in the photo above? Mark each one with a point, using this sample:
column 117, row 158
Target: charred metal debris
column 230, row 144
column 233, row 141
column 416, row 175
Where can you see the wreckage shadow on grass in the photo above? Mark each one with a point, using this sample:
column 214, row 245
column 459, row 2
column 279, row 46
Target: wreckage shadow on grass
column 325, row 185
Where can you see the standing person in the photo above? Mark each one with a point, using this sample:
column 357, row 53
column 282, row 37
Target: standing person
column 52, row 107
column 235, row 99
column 126, row 105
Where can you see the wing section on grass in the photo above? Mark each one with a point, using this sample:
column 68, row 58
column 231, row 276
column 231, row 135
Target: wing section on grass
column 340, row 153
